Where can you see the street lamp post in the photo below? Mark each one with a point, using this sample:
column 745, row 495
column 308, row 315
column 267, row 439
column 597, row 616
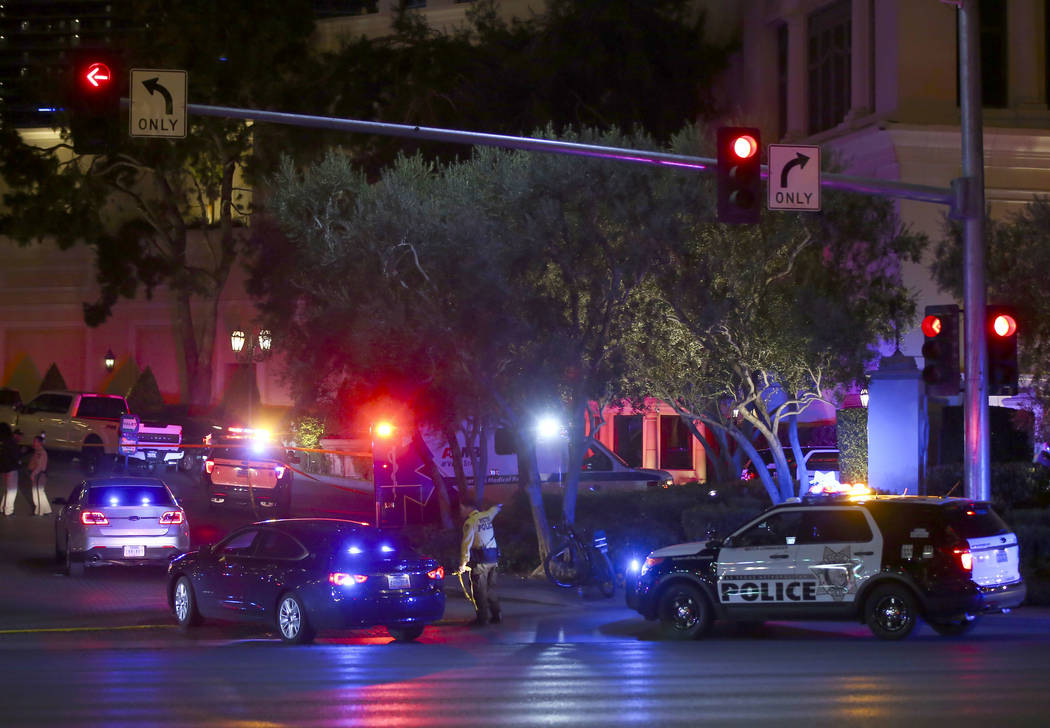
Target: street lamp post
column 250, row 349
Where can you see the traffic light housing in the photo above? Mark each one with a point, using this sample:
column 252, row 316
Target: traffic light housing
column 739, row 174
column 1001, row 335
column 940, row 350
column 93, row 100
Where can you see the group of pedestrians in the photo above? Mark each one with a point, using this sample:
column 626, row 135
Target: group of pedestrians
column 10, row 466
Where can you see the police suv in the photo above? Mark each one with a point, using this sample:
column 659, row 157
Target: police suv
column 885, row 561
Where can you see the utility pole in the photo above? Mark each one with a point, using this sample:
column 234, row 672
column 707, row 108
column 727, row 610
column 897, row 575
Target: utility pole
column 977, row 453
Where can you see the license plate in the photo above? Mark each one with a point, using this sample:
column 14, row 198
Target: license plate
column 152, row 454
column 133, row 551
column 398, row 581
column 1000, row 556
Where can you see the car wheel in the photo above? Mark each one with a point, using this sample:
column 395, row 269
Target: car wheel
column 954, row 628
column 891, row 612
column 185, row 604
column 685, row 613
column 292, row 622
column 405, row 632
column 73, row 568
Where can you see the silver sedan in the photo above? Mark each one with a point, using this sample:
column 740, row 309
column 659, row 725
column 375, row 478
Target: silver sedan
column 119, row 520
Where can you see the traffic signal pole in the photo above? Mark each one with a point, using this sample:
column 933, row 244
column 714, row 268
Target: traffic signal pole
column 976, row 451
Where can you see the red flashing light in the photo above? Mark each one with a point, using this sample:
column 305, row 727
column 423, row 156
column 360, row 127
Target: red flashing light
column 1004, row 325
column 932, row 326
column 94, row 518
column 745, row 146
column 384, row 429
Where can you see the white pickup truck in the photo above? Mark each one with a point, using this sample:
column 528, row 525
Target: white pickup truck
column 87, row 424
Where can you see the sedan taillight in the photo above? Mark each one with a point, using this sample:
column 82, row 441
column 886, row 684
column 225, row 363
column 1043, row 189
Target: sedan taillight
column 341, row 579
column 209, row 465
column 94, row 518
column 172, row 518
column 438, row 573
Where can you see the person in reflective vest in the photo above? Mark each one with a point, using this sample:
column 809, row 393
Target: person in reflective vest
column 480, row 553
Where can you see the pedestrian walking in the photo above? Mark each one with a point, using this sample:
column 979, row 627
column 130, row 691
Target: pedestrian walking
column 8, row 468
column 38, row 477
column 480, row 554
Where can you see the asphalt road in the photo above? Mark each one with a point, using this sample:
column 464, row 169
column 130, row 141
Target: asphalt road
column 104, row 651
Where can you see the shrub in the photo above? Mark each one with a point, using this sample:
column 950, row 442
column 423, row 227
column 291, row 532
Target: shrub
column 53, row 379
column 1014, row 485
column 145, row 397
column 852, row 429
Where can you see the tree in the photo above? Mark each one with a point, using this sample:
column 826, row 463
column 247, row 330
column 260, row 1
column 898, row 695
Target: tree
column 1017, row 256
column 750, row 325
column 168, row 214
column 53, row 379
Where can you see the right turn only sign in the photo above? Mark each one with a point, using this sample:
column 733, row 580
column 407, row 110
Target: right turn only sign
column 794, row 177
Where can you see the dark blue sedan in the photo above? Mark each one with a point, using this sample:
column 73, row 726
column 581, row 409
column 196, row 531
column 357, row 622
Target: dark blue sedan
column 303, row 575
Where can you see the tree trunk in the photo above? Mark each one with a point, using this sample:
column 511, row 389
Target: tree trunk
column 801, row 470
column 534, row 491
column 457, row 464
column 578, row 444
column 440, row 487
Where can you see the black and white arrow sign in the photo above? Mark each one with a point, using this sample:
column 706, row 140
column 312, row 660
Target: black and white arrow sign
column 158, row 103
column 794, row 177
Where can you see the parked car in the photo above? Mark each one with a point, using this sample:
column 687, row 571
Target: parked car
column 884, row 561
column 119, row 520
column 302, row 575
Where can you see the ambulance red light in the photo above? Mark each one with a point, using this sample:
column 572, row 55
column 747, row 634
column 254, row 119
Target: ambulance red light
column 384, row 429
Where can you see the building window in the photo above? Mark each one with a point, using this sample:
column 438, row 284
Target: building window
column 627, row 439
column 676, row 444
column 782, row 80
column 829, row 65
column 994, row 66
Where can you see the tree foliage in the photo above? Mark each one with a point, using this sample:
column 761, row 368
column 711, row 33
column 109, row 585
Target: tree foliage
column 165, row 213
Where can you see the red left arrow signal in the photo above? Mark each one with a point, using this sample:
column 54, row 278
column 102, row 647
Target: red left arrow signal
column 97, row 74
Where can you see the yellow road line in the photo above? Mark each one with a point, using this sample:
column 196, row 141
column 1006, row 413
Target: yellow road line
column 86, row 629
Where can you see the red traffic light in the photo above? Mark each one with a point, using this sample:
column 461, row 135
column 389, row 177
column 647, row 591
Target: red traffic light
column 1004, row 325
column 744, row 146
column 97, row 75
column 932, row 326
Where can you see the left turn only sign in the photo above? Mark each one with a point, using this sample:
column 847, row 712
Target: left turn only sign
column 158, row 103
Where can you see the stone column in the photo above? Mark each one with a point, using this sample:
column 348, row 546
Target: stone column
column 898, row 430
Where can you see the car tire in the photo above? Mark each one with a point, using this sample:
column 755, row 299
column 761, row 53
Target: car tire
column 292, row 622
column 891, row 612
column 405, row 632
column 954, row 628
column 73, row 567
column 184, row 604
column 684, row 612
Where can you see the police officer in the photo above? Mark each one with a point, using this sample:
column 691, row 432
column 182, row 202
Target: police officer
column 480, row 553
